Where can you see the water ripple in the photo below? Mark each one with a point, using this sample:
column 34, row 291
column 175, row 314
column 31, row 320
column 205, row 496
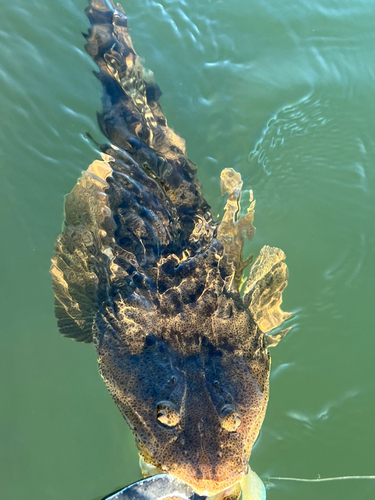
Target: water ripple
column 308, row 136
column 310, row 419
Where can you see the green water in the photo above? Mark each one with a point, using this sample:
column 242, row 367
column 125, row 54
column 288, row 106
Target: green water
column 281, row 90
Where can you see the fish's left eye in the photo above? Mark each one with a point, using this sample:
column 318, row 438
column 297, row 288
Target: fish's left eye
column 167, row 414
column 230, row 418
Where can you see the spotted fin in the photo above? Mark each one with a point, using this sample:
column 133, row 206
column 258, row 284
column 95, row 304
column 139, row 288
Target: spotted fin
column 264, row 287
column 232, row 227
column 82, row 253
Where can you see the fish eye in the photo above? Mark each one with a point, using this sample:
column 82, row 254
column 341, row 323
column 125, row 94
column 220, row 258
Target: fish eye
column 230, row 418
column 167, row 414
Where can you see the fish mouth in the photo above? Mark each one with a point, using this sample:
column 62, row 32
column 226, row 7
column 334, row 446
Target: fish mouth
column 202, row 482
column 210, row 487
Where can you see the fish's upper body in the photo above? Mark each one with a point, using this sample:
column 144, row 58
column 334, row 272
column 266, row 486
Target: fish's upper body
column 143, row 272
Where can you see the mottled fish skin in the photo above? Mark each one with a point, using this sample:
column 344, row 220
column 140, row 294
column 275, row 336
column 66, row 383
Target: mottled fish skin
column 141, row 271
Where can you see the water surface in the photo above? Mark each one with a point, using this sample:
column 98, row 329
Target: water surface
column 282, row 91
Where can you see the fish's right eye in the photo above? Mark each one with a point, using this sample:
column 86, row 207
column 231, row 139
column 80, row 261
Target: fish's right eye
column 167, row 414
column 230, row 418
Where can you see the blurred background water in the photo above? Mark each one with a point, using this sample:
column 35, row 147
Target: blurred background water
column 281, row 90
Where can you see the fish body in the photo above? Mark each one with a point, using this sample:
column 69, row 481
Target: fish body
column 142, row 271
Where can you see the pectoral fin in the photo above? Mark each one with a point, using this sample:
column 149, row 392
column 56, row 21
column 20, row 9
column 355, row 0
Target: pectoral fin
column 263, row 291
column 232, row 228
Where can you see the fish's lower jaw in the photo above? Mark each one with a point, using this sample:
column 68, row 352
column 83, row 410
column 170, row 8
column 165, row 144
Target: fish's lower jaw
column 220, row 486
column 231, row 493
column 213, row 490
column 250, row 485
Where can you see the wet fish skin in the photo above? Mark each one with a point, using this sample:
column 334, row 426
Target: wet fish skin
column 141, row 271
